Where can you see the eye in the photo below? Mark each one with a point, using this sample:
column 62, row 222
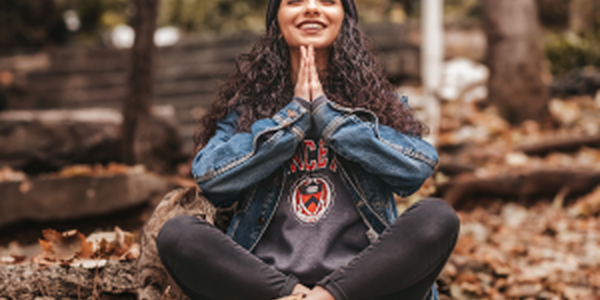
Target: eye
column 294, row 1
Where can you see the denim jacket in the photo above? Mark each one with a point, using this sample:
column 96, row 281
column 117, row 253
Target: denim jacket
column 248, row 167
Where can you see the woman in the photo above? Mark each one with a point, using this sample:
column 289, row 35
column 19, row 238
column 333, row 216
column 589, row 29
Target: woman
column 310, row 142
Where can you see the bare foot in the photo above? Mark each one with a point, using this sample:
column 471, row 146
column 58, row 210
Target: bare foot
column 319, row 293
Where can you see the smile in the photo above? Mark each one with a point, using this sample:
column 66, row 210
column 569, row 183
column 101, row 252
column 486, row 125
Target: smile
column 311, row 26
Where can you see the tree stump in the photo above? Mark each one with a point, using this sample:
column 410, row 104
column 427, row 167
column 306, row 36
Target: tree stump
column 153, row 280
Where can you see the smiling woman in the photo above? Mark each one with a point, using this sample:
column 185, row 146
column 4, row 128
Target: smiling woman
column 310, row 142
column 313, row 22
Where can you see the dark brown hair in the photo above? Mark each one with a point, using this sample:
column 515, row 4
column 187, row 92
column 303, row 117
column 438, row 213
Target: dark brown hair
column 263, row 84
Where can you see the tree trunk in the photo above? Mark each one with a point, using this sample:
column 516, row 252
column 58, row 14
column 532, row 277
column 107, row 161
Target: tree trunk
column 581, row 15
column 515, row 59
column 136, row 124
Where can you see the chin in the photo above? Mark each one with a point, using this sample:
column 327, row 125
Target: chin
column 317, row 44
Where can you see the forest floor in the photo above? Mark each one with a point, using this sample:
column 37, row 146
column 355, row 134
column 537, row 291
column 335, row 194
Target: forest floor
column 528, row 198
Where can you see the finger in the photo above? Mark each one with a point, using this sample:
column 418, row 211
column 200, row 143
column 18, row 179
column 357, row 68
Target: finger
column 302, row 65
column 302, row 60
column 301, row 89
column 306, row 62
column 307, row 73
column 309, row 70
column 315, row 84
column 313, row 68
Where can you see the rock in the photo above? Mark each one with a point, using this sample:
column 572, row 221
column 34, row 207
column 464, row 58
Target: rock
column 42, row 141
column 42, row 199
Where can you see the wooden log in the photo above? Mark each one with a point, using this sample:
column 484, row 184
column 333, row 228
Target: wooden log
column 198, row 71
column 144, row 279
column 186, row 87
column 37, row 141
column 52, row 139
column 114, row 280
column 182, row 56
column 53, row 82
column 45, row 199
column 537, row 183
column 560, row 145
column 91, row 97
column 88, row 66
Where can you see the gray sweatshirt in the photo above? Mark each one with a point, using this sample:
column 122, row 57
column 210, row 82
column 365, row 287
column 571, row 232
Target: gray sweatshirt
column 316, row 228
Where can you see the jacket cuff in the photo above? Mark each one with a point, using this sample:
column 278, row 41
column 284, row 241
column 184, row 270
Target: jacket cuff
column 318, row 102
column 334, row 289
column 328, row 116
column 288, row 285
column 296, row 116
column 305, row 103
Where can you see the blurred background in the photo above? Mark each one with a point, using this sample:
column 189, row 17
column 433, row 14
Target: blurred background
column 99, row 102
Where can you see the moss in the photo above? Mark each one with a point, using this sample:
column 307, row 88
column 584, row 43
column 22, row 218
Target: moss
column 567, row 51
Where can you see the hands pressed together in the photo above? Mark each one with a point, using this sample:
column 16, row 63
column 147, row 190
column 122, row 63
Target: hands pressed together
column 308, row 85
column 309, row 88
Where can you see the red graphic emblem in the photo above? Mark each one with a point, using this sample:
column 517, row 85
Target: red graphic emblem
column 312, row 198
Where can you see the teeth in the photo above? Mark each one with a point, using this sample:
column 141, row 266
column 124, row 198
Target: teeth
column 312, row 26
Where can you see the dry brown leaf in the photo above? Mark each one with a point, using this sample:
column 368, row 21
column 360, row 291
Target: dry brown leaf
column 76, row 170
column 123, row 241
column 587, row 205
column 65, row 246
column 133, row 252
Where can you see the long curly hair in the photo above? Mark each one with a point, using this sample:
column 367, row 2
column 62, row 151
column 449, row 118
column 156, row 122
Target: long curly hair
column 263, row 84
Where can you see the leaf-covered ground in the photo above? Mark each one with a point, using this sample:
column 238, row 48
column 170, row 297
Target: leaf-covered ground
column 528, row 246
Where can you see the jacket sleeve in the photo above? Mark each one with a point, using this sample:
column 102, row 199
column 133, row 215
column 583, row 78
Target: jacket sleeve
column 233, row 161
column 404, row 162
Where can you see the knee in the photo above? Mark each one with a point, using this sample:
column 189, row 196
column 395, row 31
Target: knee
column 442, row 223
column 171, row 239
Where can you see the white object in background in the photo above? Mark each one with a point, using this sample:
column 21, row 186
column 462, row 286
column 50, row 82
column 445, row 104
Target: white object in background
column 166, row 36
column 464, row 79
column 71, row 20
column 122, row 37
column 432, row 56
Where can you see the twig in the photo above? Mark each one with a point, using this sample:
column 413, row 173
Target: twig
column 95, row 291
column 165, row 295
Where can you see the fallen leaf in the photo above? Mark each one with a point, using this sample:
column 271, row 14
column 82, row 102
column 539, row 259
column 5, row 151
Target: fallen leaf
column 65, row 246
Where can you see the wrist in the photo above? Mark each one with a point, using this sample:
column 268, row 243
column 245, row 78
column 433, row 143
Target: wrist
column 319, row 293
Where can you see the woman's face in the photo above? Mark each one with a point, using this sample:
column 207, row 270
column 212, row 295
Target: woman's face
column 310, row 22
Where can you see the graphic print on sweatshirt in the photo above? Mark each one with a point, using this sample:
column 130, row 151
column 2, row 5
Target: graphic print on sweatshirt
column 312, row 193
column 312, row 198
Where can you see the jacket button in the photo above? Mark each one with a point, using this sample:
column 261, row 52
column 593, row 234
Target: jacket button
column 291, row 113
column 261, row 220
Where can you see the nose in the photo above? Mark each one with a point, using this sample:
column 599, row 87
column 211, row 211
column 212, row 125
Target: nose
column 312, row 8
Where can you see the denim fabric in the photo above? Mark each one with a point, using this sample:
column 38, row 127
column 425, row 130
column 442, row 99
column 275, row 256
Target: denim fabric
column 375, row 161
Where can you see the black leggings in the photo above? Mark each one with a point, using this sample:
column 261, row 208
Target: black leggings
column 402, row 264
